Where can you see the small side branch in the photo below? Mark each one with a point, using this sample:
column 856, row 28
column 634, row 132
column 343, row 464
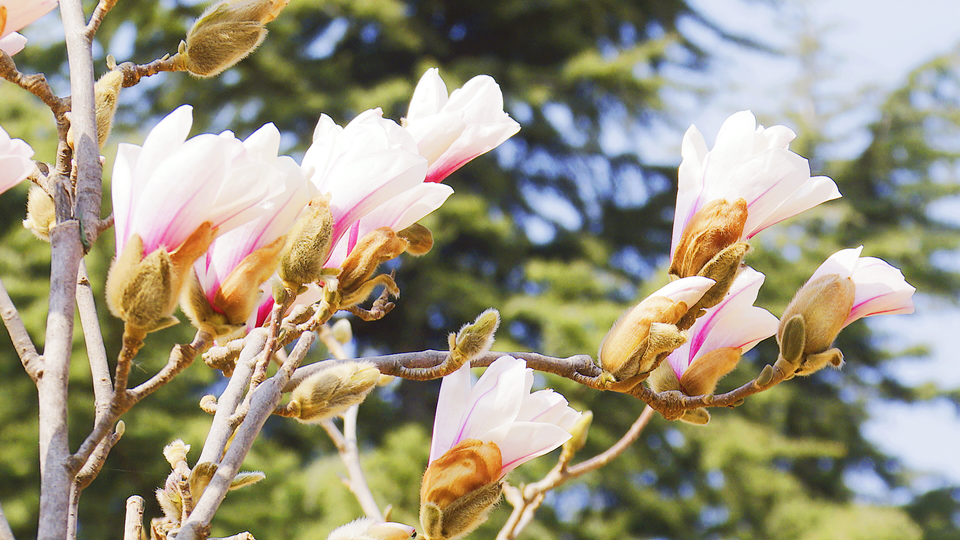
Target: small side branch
column 133, row 521
column 98, row 14
column 35, row 84
column 29, row 357
column 96, row 352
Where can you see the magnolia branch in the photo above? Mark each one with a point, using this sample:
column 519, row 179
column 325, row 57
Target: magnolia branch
column 346, row 442
column 265, row 399
column 26, row 350
column 35, row 84
column 527, row 498
column 98, row 14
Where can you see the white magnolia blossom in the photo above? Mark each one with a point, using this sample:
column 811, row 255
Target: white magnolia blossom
column 750, row 162
column 290, row 193
column 20, row 13
column 164, row 190
column 501, row 410
column 15, row 162
column 451, row 131
column 733, row 323
column 880, row 289
column 362, row 165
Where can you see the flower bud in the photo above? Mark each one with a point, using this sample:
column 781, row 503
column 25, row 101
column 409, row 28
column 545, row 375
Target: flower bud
column 476, row 338
column 635, row 342
column 176, row 452
column 226, row 33
column 143, row 291
column 41, row 213
column 420, row 238
column 106, row 94
column 342, row 331
column 578, row 436
column 332, row 391
column 369, row 529
column 715, row 227
column 245, row 479
column 824, row 303
column 459, row 488
column 308, row 244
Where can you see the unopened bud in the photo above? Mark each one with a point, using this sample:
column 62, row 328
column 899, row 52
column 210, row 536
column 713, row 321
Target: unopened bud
column 420, row 238
column 106, row 94
column 176, row 452
column 200, row 478
column 716, row 226
column 459, row 488
column 308, row 244
column 634, row 344
column 225, row 34
column 723, row 268
column 697, row 417
column 792, row 339
column 815, row 362
column 120, row 428
column 825, row 304
column 702, row 375
column 332, row 391
column 245, row 479
column 369, row 529
column 342, row 331
column 578, row 436
column 41, row 213
column 476, row 338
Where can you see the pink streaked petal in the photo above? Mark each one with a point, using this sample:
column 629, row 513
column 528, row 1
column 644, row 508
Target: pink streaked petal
column 451, row 408
column 741, row 329
column 123, row 191
column 690, row 186
column 765, row 180
column 842, row 263
column 544, row 406
column 817, row 190
column 892, row 303
column 429, row 96
column 480, row 99
column 264, row 143
column 406, row 208
column 496, row 399
column 679, row 359
column 520, row 442
column 436, row 133
column 164, row 140
column 722, row 318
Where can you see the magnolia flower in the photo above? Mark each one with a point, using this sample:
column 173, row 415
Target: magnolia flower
column 751, row 163
column 14, row 15
column 361, row 166
column 239, row 261
column 15, row 162
column 171, row 198
column 500, row 409
column 879, row 288
column 717, row 339
column 452, row 131
column 369, row 529
column 632, row 346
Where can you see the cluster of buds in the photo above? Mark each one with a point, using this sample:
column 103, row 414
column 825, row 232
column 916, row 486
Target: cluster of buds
column 185, row 486
column 689, row 334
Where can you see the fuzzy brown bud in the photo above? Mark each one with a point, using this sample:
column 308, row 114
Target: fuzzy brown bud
column 332, row 391
column 307, row 246
column 41, row 213
column 226, row 33
column 419, row 237
column 635, row 343
column 716, row 226
column 356, row 277
column 459, row 488
column 825, row 304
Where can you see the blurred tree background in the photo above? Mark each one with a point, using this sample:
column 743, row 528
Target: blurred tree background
column 559, row 233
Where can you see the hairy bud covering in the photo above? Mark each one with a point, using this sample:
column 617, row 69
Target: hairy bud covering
column 459, row 488
column 330, row 392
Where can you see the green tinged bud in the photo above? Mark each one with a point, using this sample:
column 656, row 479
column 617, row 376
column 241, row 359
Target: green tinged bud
column 307, row 246
column 225, row 34
column 342, row 331
column 332, row 391
column 578, row 436
column 245, row 479
column 476, row 338
column 200, row 478
column 793, row 339
column 41, row 213
column 120, row 429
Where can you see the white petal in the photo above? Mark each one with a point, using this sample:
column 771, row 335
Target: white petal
column 12, row 43
column 687, row 290
column 451, row 407
column 842, row 263
column 429, row 96
column 520, row 442
column 496, row 399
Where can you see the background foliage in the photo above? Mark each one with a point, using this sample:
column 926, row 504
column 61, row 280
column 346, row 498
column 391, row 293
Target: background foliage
column 559, row 234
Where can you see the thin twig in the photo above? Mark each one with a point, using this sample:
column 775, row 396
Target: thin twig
column 98, row 14
column 347, row 442
column 527, row 499
column 133, row 521
column 31, row 360
column 132, row 73
column 265, row 400
column 35, row 84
